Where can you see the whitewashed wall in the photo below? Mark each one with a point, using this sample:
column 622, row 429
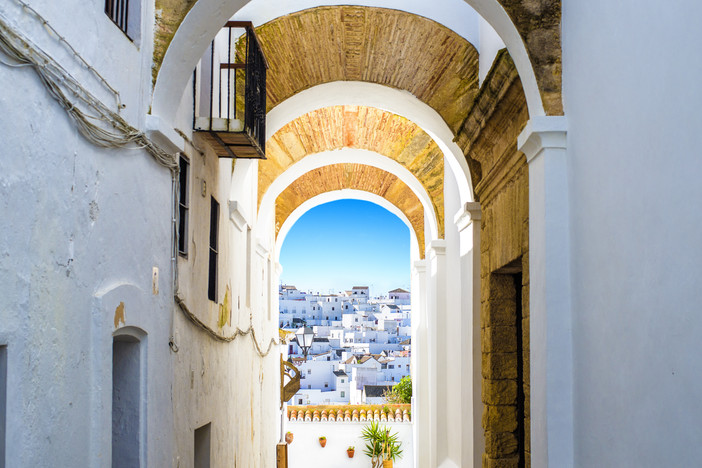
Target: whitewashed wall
column 632, row 96
column 305, row 451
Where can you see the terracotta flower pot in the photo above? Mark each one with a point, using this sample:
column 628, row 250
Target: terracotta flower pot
column 387, row 463
column 322, row 442
column 289, row 438
column 350, row 453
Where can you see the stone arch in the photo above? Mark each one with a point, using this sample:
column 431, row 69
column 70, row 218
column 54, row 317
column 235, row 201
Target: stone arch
column 355, row 194
column 183, row 34
column 348, row 156
column 352, row 176
column 337, row 127
column 358, row 93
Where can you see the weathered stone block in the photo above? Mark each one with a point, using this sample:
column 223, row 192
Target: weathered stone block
column 499, row 365
column 499, row 392
column 501, row 444
column 499, row 312
column 500, row 418
column 499, row 339
column 502, row 287
column 512, row 462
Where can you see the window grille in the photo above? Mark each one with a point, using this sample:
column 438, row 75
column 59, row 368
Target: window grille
column 214, row 231
column 118, row 12
column 183, row 202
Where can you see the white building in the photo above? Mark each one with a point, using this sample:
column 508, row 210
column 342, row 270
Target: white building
column 140, row 250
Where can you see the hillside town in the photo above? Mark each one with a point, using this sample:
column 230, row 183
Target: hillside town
column 350, row 348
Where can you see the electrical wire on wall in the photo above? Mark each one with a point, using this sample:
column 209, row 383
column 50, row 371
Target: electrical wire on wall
column 107, row 129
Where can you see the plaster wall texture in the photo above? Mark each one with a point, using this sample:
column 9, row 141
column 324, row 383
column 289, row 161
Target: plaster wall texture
column 490, row 44
column 632, row 99
column 87, row 227
column 226, row 384
column 305, row 450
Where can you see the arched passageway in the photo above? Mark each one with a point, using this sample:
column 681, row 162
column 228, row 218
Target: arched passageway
column 481, row 123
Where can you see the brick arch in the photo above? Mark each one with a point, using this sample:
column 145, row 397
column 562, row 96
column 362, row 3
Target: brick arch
column 377, row 45
column 356, row 177
column 528, row 25
column 360, row 127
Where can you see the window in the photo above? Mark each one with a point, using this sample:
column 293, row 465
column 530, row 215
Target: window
column 309, row 371
column 126, row 401
column 326, row 385
column 391, row 366
column 214, row 231
column 309, row 386
column 249, row 249
column 126, row 14
column 202, row 446
column 3, row 402
column 343, row 394
column 183, row 205
column 299, row 401
column 342, row 380
column 332, row 308
column 392, row 378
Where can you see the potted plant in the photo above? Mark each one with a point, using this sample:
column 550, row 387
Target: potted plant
column 288, row 437
column 381, row 446
column 391, row 449
column 323, row 441
column 351, row 451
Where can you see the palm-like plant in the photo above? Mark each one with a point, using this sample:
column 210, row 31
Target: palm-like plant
column 380, row 444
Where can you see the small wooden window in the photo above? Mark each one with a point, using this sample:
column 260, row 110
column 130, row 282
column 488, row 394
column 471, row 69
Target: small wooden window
column 183, row 205
column 214, row 231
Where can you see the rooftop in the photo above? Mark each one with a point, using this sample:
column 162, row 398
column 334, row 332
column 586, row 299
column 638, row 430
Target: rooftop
column 376, row 390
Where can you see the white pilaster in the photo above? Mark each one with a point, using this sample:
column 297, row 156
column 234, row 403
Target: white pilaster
column 468, row 221
column 436, row 314
column 543, row 141
column 419, row 361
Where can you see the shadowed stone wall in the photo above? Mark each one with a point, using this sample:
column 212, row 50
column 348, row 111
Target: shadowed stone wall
column 500, row 176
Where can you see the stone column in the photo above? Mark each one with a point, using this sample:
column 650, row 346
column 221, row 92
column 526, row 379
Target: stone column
column 467, row 221
column 543, row 141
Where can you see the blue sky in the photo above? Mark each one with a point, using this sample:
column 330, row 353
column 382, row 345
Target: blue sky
column 347, row 243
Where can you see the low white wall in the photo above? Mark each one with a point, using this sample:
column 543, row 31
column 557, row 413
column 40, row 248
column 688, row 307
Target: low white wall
column 305, row 451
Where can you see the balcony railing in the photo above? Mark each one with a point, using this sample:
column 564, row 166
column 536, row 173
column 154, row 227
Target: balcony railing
column 230, row 99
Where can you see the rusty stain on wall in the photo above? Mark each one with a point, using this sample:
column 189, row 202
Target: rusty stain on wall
column 225, row 309
column 119, row 315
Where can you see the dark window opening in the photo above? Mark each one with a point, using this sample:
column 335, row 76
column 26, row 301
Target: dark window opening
column 214, row 234
column 126, row 402
column 202, row 446
column 183, row 205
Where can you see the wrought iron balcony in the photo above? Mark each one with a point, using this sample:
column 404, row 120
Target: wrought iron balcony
column 230, row 99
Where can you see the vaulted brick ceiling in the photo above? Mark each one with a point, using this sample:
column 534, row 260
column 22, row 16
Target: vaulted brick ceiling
column 389, row 47
column 366, row 128
column 352, row 176
column 376, row 45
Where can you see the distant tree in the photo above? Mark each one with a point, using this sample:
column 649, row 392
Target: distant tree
column 401, row 392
